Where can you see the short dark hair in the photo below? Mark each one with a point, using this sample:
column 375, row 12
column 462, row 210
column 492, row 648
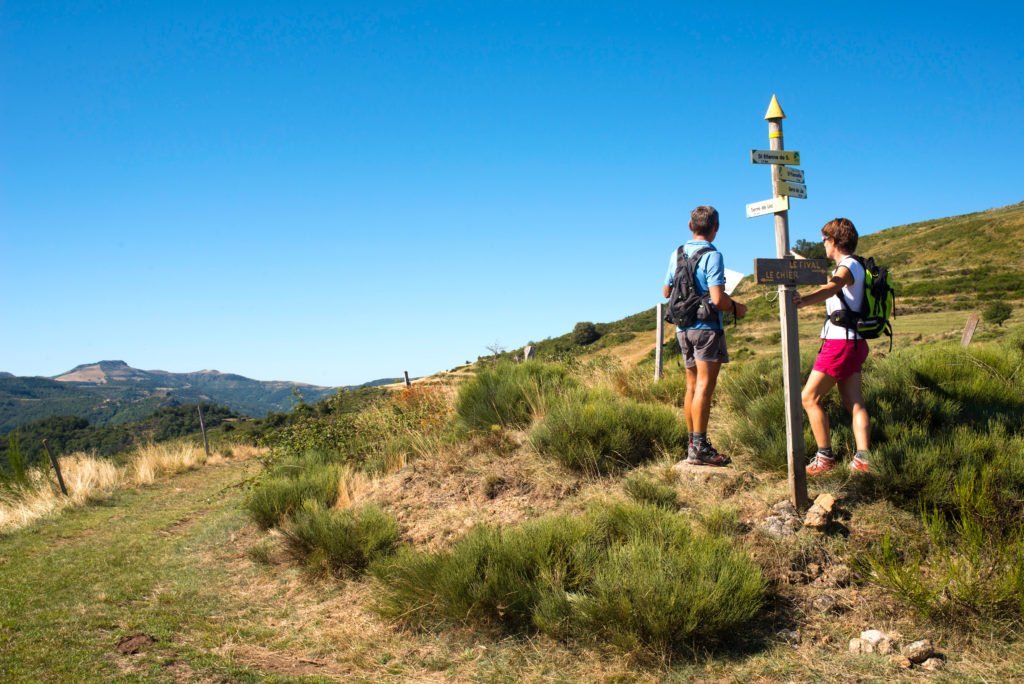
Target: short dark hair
column 843, row 234
column 703, row 219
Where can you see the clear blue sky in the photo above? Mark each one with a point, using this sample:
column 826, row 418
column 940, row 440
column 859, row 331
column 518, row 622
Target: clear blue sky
column 335, row 192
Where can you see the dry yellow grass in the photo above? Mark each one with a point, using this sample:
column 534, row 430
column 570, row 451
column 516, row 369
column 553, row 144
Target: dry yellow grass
column 90, row 479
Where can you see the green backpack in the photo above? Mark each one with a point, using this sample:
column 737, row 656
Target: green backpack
column 879, row 304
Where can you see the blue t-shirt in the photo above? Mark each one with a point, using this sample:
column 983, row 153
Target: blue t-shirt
column 710, row 272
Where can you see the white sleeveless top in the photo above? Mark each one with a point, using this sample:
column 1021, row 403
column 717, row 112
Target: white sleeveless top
column 854, row 297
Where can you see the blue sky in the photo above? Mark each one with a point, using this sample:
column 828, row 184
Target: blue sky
column 336, row 192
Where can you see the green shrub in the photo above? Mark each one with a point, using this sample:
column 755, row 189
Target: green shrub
column 639, row 384
column 339, row 540
column 643, row 489
column 632, row 575
column 600, row 433
column 509, row 394
column 583, row 333
column 284, row 488
column 939, row 415
column 972, row 565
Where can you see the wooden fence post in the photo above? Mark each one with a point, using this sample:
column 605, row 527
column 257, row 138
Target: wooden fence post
column 407, row 383
column 202, row 426
column 972, row 325
column 659, row 343
column 56, row 468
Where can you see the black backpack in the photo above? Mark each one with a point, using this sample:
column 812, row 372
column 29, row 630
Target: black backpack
column 879, row 304
column 685, row 306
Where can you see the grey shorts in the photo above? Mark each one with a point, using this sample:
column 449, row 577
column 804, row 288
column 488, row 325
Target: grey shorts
column 702, row 345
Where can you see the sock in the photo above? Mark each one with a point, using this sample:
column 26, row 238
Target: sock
column 826, row 452
column 863, row 454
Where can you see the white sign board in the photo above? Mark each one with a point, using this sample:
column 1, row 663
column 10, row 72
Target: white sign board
column 792, row 189
column 788, row 174
column 768, row 206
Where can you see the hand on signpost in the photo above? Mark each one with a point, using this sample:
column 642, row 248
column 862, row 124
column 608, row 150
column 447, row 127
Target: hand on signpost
column 797, row 299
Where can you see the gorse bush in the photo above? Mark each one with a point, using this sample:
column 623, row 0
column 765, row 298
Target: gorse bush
column 632, row 575
column 339, row 540
column 289, row 484
column 596, row 432
column 509, row 394
column 972, row 567
column 939, row 415
column 637, row 384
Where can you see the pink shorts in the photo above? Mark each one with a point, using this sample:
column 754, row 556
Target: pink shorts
column 841, row 358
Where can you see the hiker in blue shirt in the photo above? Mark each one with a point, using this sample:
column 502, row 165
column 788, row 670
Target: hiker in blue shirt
column 703, row 342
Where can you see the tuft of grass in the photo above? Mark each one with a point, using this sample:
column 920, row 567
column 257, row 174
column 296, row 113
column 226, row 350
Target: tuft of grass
column 636, row 576
column 154, row 460
column 643, row 489
column 341, row 541
column 596, row 432
column 509, row 395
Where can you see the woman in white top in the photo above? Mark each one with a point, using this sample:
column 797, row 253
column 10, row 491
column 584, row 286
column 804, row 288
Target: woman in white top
column 843, row 351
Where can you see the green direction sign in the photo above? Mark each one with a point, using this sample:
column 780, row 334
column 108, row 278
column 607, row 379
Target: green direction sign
column 791, row 271
column 788, row 174
column 790, row 157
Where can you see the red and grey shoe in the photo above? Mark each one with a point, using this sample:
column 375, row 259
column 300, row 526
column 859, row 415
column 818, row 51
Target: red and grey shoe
column 859, row 465
column 820, row 464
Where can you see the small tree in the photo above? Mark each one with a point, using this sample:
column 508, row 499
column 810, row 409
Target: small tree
column 584, row 333
column 810, row 250
column 997, row 312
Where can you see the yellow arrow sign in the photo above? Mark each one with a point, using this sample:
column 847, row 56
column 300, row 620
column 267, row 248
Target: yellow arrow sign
column 789, row 157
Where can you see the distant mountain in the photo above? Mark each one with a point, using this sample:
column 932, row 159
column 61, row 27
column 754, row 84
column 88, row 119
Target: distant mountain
column 112, row 393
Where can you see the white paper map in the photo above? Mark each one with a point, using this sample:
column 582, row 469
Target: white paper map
column 732, row 279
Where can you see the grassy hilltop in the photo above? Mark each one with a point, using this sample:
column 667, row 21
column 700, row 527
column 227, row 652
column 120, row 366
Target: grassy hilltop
column 526, row 522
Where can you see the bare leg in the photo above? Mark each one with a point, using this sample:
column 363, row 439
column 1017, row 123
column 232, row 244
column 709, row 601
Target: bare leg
column 850, row 391
column 700, row 406
column 691, row 385
column 818, row 385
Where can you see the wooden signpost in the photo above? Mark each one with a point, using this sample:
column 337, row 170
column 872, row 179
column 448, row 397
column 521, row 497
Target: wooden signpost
column 777, row 157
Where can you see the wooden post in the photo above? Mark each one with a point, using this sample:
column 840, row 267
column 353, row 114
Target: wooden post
column 969, row 328
column 56, row 468
column 790, row 335
column 659, row 343
column 202, row 426
column 407, row 383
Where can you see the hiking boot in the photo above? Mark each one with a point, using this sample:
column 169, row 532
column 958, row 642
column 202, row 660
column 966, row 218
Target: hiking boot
column 820, row 464
column 859, row 465
column 705, row 454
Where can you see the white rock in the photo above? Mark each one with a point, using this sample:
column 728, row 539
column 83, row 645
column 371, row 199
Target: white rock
column 873, row 636
column 789, row 635
column 932, row 664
